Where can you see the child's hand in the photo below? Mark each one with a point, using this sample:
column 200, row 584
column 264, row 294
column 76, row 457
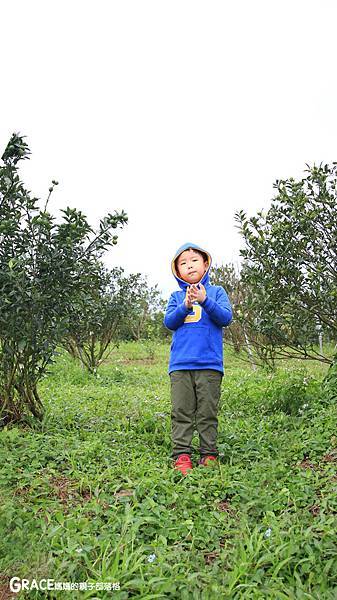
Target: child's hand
column 188, row 301
column 196, row 294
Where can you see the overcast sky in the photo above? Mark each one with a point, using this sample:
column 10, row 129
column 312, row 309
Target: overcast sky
column 179, row 112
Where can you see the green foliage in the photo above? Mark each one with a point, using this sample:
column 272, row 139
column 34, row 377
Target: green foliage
column 289, row 269
column 95, row 321
column 113, row 307
column 292, row 393
column 330, row 382
column 45, row 270
column 89, row 493
column 144, row 314
column 229, row 278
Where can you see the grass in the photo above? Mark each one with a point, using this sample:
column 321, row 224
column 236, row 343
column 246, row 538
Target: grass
column 89, row 494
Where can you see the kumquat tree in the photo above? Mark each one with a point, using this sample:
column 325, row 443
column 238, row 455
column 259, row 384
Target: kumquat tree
column 95, row 323
column 289, row 268
column 45, row 270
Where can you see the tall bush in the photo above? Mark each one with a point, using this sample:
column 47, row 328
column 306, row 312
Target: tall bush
column 96, row 322
column 289, row 269
column 45, row 270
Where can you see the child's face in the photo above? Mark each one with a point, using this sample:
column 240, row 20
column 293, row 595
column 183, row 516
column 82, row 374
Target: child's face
column 191, row 266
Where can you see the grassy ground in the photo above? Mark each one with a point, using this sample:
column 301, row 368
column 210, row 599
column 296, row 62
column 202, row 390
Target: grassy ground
column 90, row 495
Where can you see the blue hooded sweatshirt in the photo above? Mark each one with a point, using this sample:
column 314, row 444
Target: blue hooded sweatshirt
column 197, row 332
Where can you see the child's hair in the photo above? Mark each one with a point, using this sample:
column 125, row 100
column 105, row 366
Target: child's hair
column 203, row 254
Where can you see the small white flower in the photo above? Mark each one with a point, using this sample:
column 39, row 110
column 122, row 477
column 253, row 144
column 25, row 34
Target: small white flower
column 151, row 558
column 79, row 550
column 267, row 533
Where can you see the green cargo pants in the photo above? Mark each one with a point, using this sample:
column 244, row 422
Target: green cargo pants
column 195, row 397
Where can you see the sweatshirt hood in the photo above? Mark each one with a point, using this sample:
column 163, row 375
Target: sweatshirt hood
column 205, row 278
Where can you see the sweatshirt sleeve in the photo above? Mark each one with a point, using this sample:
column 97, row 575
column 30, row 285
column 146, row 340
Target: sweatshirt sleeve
column 219, row 310
column 175, row 313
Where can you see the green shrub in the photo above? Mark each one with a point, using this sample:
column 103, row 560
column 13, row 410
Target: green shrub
column 329, row 387
column 291, row 392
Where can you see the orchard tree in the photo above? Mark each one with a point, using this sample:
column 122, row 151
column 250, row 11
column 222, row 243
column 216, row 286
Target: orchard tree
column 144, row 303
column 239, row 333
column 113, row 307
column 96, row 322
column 290, row 266
column 228, row 277
column 45, row 270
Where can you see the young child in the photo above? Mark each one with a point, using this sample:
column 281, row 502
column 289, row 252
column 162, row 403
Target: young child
column 196, row 315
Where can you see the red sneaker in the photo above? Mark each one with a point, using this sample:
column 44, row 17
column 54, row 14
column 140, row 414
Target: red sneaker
column 183, row 463
column 207, row 461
